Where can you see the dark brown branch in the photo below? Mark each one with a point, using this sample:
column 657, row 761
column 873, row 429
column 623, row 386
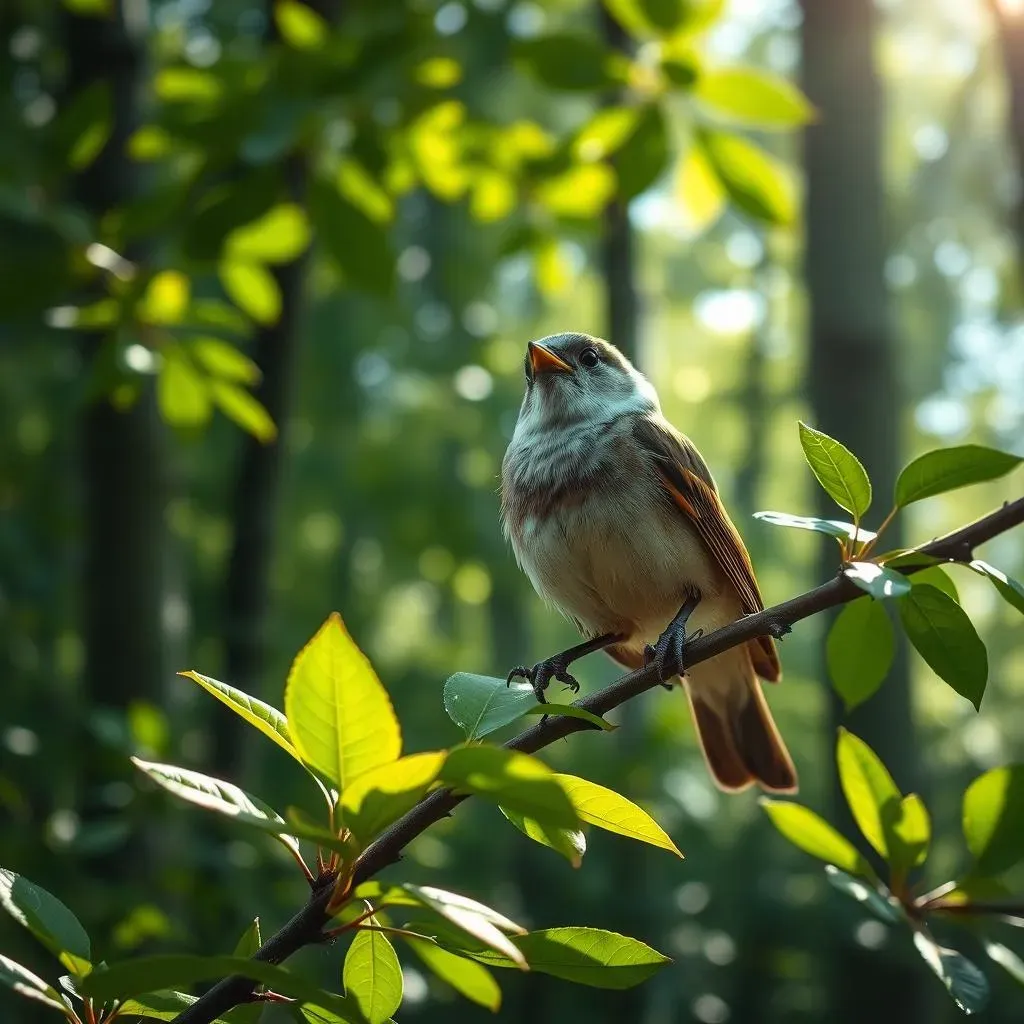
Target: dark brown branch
column 306, row 926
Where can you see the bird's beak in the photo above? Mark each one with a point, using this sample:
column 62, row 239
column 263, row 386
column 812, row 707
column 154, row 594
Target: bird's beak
column 543, row 360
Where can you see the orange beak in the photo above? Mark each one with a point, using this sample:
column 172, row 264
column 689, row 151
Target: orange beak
column 543, row 360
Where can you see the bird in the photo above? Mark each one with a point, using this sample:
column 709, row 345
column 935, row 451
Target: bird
column 616, row 519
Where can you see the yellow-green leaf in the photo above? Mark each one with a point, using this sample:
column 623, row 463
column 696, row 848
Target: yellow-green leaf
column 165, row 299
column 993, row 819
column 279, row 236
column 873, row 797
column 571, row 843
column 240, row 406
column 581, row 191
column 373, row 975
column 812, row 834
column 753, row 97
column 31, row 986
column 467, row 977
column 222, row 359
column 699, row 191
column 756, row 182
column 359, row 187
column 611, row 811
column 339, row 714
column 182, row 393
column 48, row 919
column 253, row 288
column 300, row 26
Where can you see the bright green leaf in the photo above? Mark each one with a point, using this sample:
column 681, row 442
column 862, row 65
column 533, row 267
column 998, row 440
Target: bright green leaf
column 29, row 985
column 947, row 469
column 373, row 975
column 279, row 236
column 812, row 834
column 187, row 85
column 698, row 190
column 249, row 941
column 438, row 73
column 252, row 288
column 756, row 182
column 49, row 920
column 227, row 207
column 552, row 709
column 1009, row 589
column 360, row 188
column 511, row 779
column 581, row 192
column 181, row 391
column 993, row 819
column 479, row 705
column 938, row 578
column 913, row 830
column 611, row 811
column 877, row 902
column 753, row 97
column 375, row 799
column 833, row 527
column 838, row 470
column 243, row 409
column 964, row 982
column 300, row 26
column 339, row 714
column 569, row 842
column 605, row 132
column 873, row 797
column 165, row 299
column 224, row 360
column 859, row 650
column 467, row 977
column 946, row 638
column 643, row 156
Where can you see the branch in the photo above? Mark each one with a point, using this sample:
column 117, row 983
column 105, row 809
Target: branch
column 306, row 927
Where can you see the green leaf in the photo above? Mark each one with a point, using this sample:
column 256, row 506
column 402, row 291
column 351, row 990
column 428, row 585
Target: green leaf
column 49, row 920
column 467, row 977
column 339, row 714
column 756, row 182
column 605, row 133
column 252, row 288
column 873, row 797
column 571, row 711
column 227, row 207
column 838, row 470
column 937, row 578
column 643, row 156
column 83, row 127
column 947, row 469
column 165, row 299
column 375, row 799
column 913, row 830
column 569, row 842
column 243, row 409
column 480, row 705
column 188, row 85
column 993, row 819
column 514, row 780
column 665, row 15
column 877, row 580
column 580, row 192
column 476, row 919
column 753, row 97
column 564, row 61
column 358, row 244
column 162, row 1005
column 216, row 795
column 946, row 638
column 591, row 956
column 859, row 650
column 698, row 190
column 1007, row 959
column 29, row 985
column 1009, row 589
column 182, row 393
column 812, row 834
column 249, row 941
column 300, row 26
column 263, row 717
column 611, row 811
column 964, row 982
column 373, row 975
column 833, row 527
column 279, row 236
column 140, row 975
column 863, row 892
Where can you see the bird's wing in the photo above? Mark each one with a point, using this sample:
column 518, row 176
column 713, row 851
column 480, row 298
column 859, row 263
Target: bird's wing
column 688, row 481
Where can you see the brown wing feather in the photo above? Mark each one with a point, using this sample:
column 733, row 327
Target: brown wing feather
column 688, row 481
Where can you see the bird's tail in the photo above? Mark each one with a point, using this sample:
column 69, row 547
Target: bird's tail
column 740, row 740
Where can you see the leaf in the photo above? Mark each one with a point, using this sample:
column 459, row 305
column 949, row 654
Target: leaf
column 946, row 638
column 480, row 705
column 82, row 129
column 252, row 288
column 216, row 795
column 566, row 61
column 698, row 190
column 964, row 982
column 140, row 975
column 938, row 578
column 838, row 470
column 373, row 975
column 263, row 717
column 165, row 299
column 279, row 236
column 227, row 207
column 382, row 795
column 833, row 527
column 361, row 189
column 29, row 985
column 224, row 360
column 913, row 829
column 49, row 920
column 569, row 842
column 611, row 811
column 873, row 797
column 476, row 919
column 467, row 977
column 249, row 941
column 571, row 711
column 877, row 580
column 579, row 192
column 512, row 779
column 644, row 155
column 605, row 132
column 756, row 182
column 859, row 650
column 863, row 892
column 300, row 26
column 753, row 97
column 947, row 469
column 1009, row 589
column 812, row 834
column 1007, row 959
column 187, row 85
column 244, row 410
column 339, row 714
column 181, row 391
column 993, row 819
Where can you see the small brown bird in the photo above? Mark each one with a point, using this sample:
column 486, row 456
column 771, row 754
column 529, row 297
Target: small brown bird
column 616, row 519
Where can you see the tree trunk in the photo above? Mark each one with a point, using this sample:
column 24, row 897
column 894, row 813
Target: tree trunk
column 1010, row 29
column 855, row 397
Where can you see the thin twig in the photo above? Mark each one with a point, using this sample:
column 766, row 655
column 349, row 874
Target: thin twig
column 306, row 927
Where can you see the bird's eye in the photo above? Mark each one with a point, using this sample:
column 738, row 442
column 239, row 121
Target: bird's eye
column 589, row 357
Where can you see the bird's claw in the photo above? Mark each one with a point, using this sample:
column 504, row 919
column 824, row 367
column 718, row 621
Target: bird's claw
column 669, row 653
column 541, row 674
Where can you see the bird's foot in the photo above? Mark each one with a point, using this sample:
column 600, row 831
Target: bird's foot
column 541, row 674
column 670, row 650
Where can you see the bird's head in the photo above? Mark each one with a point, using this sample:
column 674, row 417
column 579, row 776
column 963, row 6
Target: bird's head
column 573, row 379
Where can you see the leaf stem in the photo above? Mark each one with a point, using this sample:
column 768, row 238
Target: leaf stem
column 869, row 546
column 392, row 930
